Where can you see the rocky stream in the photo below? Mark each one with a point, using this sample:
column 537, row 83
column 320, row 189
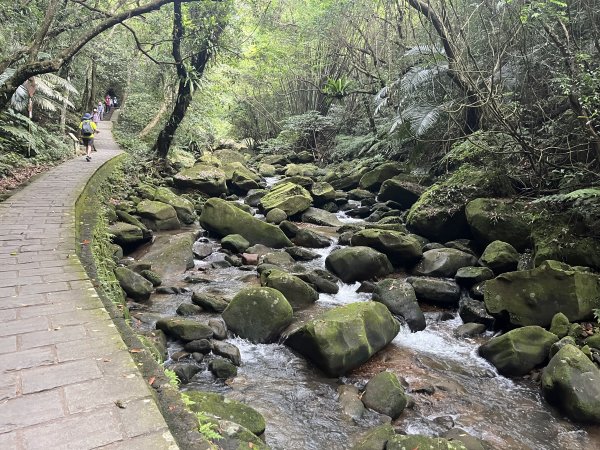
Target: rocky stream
column 304, row 368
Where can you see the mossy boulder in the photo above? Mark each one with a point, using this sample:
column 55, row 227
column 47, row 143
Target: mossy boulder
column 222, row 368
column 352, row 264
column 349, row 181
column 184, row 208
column 289, row 197
column 235, row 243
column 384, row 394
column 519, row 351
column 258, row 314
column 244, row 179
column 506, row 220
column 298, row 293
column 180, row 159
column 204, row 178
column 572, row 382
column 533, row 297
column 440, row 291
column 320, row 217
column 228, row 156
column 223, row 218
column 404, row 193
column 171, row 255
column 276, row 216
column 127, row 235
column 309, row 238
column 210, row 302
column 501, row 257
column 267, row 170
column 560, row 325
column 439, row 214
column 400, row 298
column 232, row 167
column 443, row 262
column 406, row 442
column 158, row 215
column 468, row 276
column 400, row 248
column 134, row 284
column 184, row 329
column 322, row 192
column 345, row 337
column 375, row 439
column 373, row 179
column 303, row 170
column 218, row 406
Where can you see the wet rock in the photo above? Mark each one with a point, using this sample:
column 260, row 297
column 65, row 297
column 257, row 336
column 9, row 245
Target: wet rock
column 297, row 292
column 471, row 310
column 228, row 351
column 476, row 290
column 219, row 328
column 470, row 442
column 402, row 192
column 152, row 277
column 349, row 399
column 533, row 297
column 519, row 351
column 443, row 262
column 186, row 309
column 384, row 394
column 367, row 287
column 559, row 325
column 373, row 179
column 399, row 297
column 320, row 217
column 207, row 179
column 350, row 181
column 171, row 255
column 440, row 291
column 198, row 357
column 360, row 195
column 222, row 368
column 202, row 250
column 572, row 382
column 223, row 218
column 127, row 236
column 210, row 302
column 279, row 259
column 501, row 220
column 134, row 285
column 319, row 283
column 400, row 248
column 301, row 254
column 560, row 344
column 290, row 229
column 184, row 329
column 158, row 215
column 376, row 438
column 358, row 263
column 235, row 243
column 345, row 238
column 237, row 437
column 178, row 356
column 183, row 207
column 253, row 197
column 167, row 290
column 404, row 442
column 258, row 314
column 500, row 257
column 322, row 193
column 345, row 337
column 305, row 181
column 218, row 406
column 469, row 329
column 243, row 179
column 267, row 170
column 234, row 260
column 156, row 343
column 250, row 259
column 259, row 249
column 468, row 276
column 198, row 346
column 289, row 197
column 310, row 239
column 185, row 372
column 276, row 216
column 433, row 246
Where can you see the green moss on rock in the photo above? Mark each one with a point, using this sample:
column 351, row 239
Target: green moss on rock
column 289, row 197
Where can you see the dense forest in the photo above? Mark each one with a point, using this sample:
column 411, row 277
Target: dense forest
column 439, row 157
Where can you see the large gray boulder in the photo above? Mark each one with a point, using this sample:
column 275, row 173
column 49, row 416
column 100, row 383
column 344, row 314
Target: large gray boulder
column 321, row 217
column 519, row 351
column 572, row 382
column 533, row 297
column 358, row 264
column 183, row 207
column 127, row 235
column 289, row 197
column 373, row 179
column 134, row 285
column 345, row 337
column 171, row 255
column 400, row 298
column 158, row 215
column 310, row 239
column 258, row 314
column 440, row 291
column 400, row 248
column 384, row 394
column 296, row 291
column 223, row 218
column 501, row 257
column 185, row 329
column 207, row 179
column 402, row 192
column 443, row 262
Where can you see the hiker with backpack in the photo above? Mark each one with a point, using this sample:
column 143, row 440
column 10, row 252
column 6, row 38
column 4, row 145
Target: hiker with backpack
column 101, row 110
column 88, row 128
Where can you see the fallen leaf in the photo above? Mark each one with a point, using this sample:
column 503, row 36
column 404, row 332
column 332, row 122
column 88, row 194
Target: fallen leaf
column 85, row 242
column 151, row 380
column 136, row 350
column 120, row 404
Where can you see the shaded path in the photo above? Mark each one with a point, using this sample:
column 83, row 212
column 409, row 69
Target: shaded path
column 66, row 377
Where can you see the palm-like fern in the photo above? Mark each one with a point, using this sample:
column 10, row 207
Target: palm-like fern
column 51, row 92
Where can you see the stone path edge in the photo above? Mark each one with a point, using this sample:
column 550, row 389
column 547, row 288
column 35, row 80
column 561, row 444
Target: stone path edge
column 182, row 423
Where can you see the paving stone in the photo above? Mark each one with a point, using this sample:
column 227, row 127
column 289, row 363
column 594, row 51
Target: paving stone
column 8, row 440
column 98, row 348
column 42, row 378
column 24, row 326
column 81, row 397
column 8, row 344
column 155, row 441
column 8, row 386
column 40, row 356
column 140, row 417
column 30, row 410
column 52, row 336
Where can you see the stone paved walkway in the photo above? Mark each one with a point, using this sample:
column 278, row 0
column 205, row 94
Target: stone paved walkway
column 67, row 380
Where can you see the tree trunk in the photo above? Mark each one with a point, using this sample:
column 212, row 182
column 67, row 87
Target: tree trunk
column 167, row 98
column 93, row 88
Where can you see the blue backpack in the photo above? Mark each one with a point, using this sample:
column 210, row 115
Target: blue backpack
column 86, row 128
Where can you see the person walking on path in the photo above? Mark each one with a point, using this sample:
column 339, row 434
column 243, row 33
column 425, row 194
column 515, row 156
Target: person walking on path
column 101, row 110
column 96, row 116
column 88, row 128
column 107, row 101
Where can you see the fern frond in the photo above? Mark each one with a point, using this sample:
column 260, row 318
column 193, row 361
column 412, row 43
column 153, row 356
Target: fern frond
column 417, row 76
column 4, row 76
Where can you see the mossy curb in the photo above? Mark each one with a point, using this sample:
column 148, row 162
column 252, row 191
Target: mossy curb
column 90, row 226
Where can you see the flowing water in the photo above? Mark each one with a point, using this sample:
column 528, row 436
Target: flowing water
column 450, row 384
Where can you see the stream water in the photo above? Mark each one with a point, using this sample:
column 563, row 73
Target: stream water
column 450, row 384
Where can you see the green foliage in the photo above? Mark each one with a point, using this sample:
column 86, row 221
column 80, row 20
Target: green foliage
column 337, row 87
column 173, row 378
column 208, row 427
